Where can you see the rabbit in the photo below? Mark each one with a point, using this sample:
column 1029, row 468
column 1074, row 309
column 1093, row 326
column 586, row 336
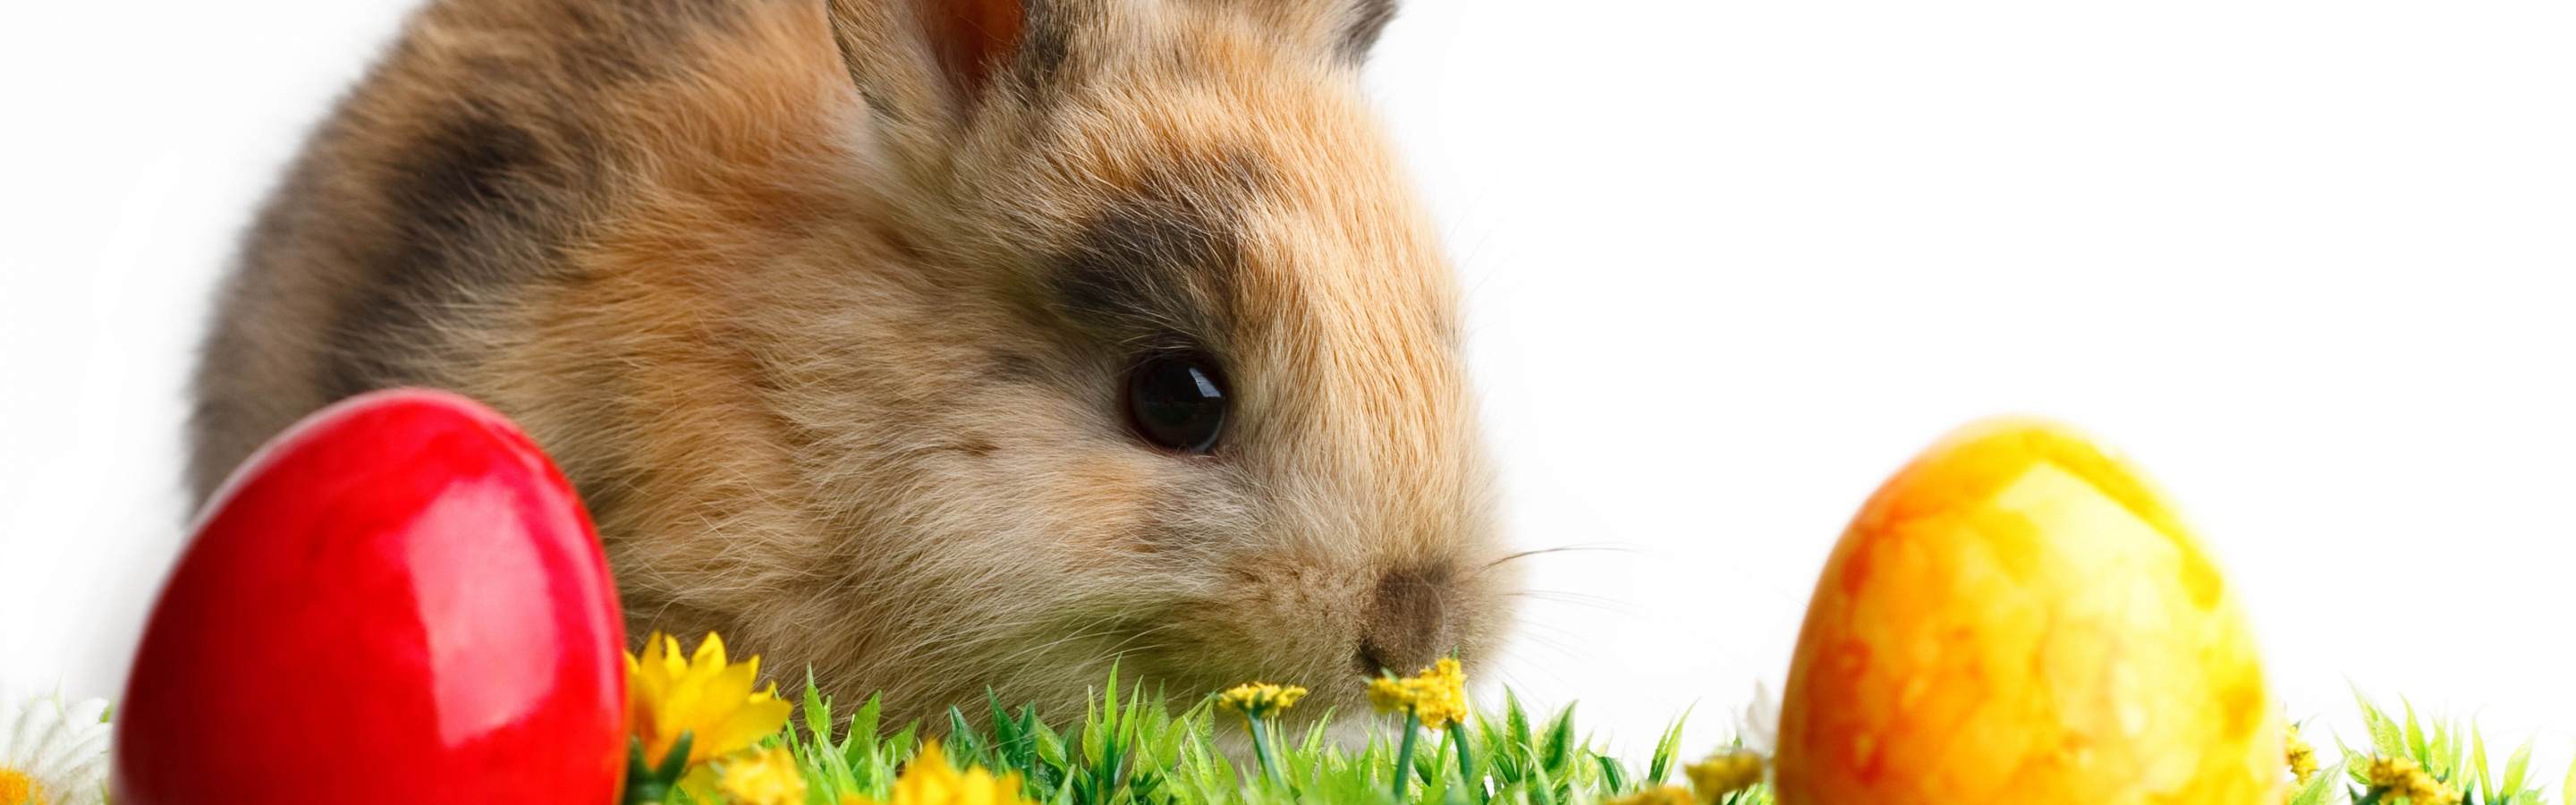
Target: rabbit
column 935, row 347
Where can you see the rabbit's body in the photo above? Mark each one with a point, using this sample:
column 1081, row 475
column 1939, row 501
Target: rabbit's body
column 837, row 342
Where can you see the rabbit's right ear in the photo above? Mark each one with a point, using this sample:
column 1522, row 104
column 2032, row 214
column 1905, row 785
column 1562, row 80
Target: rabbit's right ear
column 925, row 65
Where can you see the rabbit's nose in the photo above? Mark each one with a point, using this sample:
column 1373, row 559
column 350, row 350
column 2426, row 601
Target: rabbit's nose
column 1408, row 623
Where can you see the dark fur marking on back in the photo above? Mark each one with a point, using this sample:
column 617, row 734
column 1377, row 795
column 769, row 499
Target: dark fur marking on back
column 486, row 199
column 419, row 217
column 458, row 224
column 1368, row 20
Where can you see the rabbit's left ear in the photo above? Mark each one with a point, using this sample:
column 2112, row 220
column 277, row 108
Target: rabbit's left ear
column 925, row 65
column 1363, row 20
column 972, row 39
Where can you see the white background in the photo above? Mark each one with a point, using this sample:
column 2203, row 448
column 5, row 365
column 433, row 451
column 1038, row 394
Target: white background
column 1729, row 263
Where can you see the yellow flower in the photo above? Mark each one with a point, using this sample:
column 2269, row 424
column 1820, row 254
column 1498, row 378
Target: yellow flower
column 2402, row 777
column 1390, row 694
column 1658, row 795
column 702, row 695
column 1437, row 695
column 766, row 777
column 1258, row 699
column 17, row 788
column 1723, row 774
column 2303, row 758
column 929, row 780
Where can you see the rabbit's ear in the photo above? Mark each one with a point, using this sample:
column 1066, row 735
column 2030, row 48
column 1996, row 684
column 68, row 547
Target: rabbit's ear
column 971, row 37
column 924, row 65
column 1363, row 21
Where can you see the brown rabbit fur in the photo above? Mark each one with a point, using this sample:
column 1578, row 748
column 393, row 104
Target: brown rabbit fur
column 834, row 340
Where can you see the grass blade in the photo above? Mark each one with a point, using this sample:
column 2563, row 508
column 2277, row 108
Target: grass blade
column 1666, row 750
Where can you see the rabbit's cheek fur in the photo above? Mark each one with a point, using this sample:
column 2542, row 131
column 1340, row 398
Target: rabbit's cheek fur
column 840, row 375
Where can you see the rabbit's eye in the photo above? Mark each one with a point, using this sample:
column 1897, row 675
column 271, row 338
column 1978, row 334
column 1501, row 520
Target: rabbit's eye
column 1177, row 400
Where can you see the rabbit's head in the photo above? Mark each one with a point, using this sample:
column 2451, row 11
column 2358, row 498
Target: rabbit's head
column 1126, row 342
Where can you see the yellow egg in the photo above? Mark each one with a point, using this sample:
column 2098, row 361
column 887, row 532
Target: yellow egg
column 2017, row 616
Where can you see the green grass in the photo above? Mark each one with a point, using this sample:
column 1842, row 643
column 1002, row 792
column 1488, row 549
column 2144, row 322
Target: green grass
column 2453, row 754
column 1130, row 748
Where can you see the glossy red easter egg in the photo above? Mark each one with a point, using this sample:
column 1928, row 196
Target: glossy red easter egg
column 399, row 600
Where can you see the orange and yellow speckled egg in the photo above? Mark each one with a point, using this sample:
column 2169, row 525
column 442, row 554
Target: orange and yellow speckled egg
column 2017, row 616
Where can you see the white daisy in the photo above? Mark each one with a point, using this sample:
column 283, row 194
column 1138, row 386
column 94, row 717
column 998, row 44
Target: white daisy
column 1759, row 722
column 51, row 754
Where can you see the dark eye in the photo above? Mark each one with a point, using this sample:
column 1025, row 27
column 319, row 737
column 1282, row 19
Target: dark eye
column 1177, row 400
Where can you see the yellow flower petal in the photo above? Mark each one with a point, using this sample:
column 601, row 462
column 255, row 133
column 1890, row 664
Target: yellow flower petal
column 929, row 780
column 1658, row 795
column 1259, row 699
column 1437, row 695
column 767, row 777
column 1725, row 773
column 700, row 694
column 1389, row 695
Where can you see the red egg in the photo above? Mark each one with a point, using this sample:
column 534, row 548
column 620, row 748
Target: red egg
column 399, row 600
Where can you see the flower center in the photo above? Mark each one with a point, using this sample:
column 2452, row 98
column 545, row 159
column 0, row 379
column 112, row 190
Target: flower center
column 16, row 788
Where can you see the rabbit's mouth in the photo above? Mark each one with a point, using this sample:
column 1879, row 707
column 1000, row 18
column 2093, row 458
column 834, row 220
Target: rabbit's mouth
column 1329, row 635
